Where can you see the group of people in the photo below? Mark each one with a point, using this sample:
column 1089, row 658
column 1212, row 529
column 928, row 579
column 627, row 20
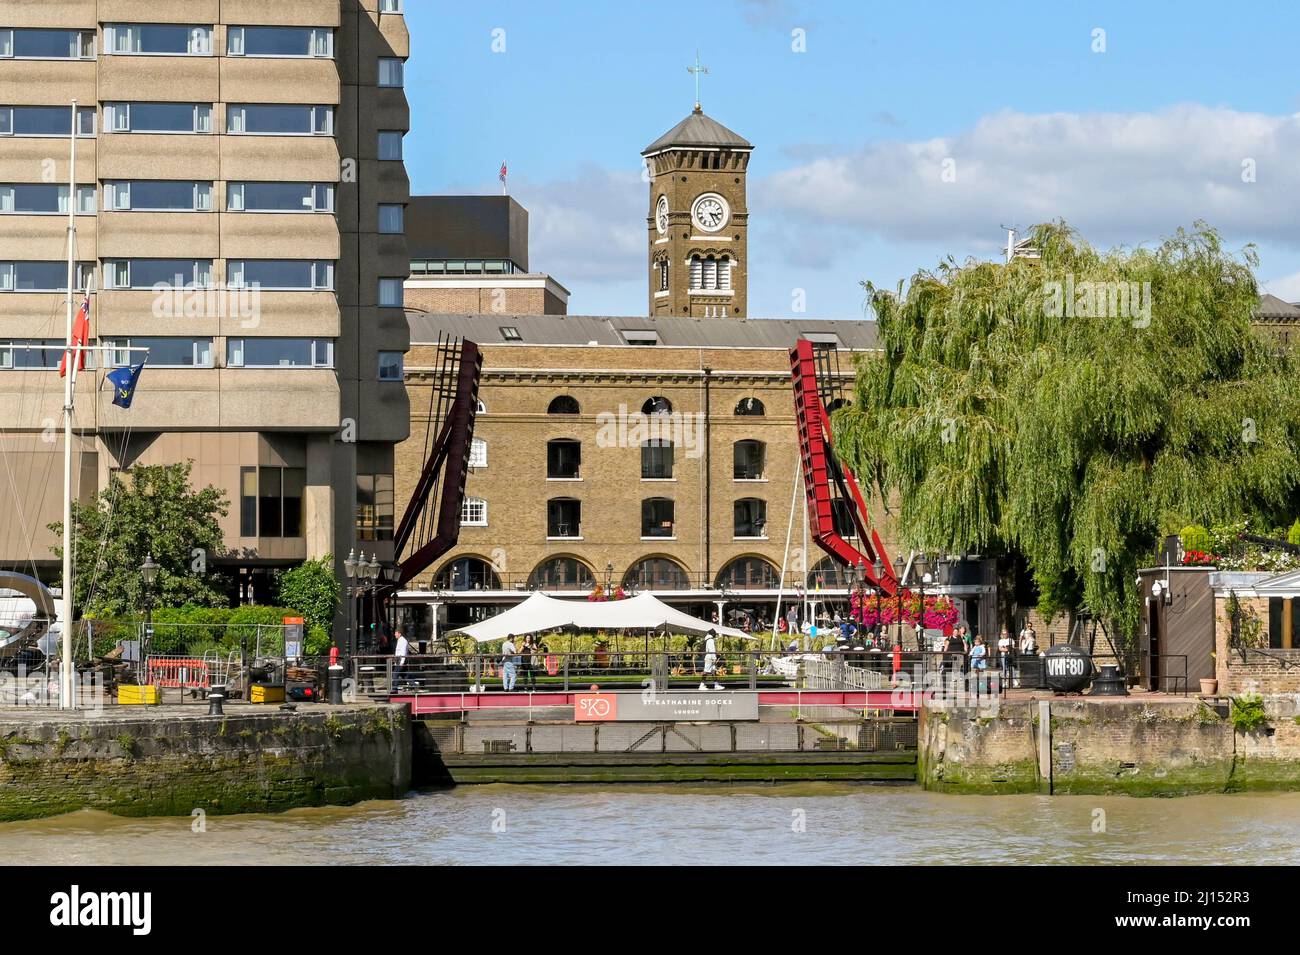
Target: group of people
column 976, row 655
column 527, row 657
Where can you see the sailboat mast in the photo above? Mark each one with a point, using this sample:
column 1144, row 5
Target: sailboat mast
column 67, row 678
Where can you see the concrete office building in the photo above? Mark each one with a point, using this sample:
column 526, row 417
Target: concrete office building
column 240, row 212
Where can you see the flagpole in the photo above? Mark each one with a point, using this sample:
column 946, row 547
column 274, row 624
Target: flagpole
column 67, row 679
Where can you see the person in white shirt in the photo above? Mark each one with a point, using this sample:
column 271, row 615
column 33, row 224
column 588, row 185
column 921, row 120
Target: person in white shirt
column 400, row 652
column 710, row 661
column 509, row 663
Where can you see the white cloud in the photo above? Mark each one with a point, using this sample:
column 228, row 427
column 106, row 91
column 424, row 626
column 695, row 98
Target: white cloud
column 1285, row 287
column 1119, row 178
column 587, row 230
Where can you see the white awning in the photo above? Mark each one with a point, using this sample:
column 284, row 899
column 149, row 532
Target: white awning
column 642, row 612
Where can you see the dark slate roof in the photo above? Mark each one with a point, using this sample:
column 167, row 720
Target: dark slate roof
column 607, row 330
column 1273, row 309
column 698, row 129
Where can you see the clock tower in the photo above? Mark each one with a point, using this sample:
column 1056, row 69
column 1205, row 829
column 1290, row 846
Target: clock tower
column 698, row 220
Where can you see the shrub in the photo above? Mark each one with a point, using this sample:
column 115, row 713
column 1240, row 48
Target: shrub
column 1293, row 535
column 1248, row 713
column 1195, row 538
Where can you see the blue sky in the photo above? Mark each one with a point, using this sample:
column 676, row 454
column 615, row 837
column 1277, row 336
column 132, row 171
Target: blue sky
column 1187, row 113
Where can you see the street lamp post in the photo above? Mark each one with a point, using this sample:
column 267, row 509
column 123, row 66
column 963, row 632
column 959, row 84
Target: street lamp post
column 350, row 569
column 921, row 571
column 148, row 574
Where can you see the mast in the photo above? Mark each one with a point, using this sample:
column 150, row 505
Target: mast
column 67, row 678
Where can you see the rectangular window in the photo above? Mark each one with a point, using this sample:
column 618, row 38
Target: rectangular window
column 280, row 41
column 563, row 460
column 478, row 453
column 390, row 6
column 38, row 44
column 563, row 518
column 157, row 39
column 280, row 353
column 157, row 195
column 391, row 293
column 164, row 352
column 657, row 517
column 390, row 145
column 391, row 365
column 248, row 502
column 473, row 512
column 43, row 276
column 150, row 273
column 280, row 120
column 279, row 197
column 41, row 199
column 392, row 219
column 374, row 507
column 45, row 121
column 390, row 72
column 290, row 275
column 36, row 354
column 157, row 118
column 270, row 492
column 657, row 460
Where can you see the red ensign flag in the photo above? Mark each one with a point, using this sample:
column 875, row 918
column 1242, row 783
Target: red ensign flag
column 80, row 337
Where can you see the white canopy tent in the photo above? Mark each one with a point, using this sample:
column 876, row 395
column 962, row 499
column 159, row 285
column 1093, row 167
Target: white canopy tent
column 642, row 612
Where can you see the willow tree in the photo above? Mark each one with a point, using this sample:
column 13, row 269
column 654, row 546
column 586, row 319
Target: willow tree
column 1074, row 408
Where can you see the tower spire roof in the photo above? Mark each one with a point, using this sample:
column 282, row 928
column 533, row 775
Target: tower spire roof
column 698, row 129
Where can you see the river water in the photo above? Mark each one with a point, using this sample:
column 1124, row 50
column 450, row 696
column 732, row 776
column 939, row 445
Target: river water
column 805, row 823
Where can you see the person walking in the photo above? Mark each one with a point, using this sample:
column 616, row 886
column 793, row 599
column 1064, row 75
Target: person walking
column 509, row 663
column 710, row 661
column 400, row 652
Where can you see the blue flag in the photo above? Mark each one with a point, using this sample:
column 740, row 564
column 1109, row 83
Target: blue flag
column 123, row 381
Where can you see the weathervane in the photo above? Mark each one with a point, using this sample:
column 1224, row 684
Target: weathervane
column 697, row 69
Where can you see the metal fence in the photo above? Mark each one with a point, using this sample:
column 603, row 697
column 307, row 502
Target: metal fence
column 468, row 739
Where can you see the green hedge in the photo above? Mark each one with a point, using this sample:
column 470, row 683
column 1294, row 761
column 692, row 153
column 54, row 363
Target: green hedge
column 197, row 629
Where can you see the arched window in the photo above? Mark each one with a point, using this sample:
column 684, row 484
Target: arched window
column 749, row 573
column 750, row 517
column 563, row 459
column 480, row 408
column 473, row 512
column 563, row 517
column 657, row 460
column 657, row 573
column 657, row 405
column 826, row 575
column 657, row 517
column 750, row 406
column 562, row 573
column 478, row 453
column 748, row 460
column 563, row 404
column 467, row 573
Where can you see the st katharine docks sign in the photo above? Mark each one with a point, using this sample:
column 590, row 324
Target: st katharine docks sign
column 645, row 706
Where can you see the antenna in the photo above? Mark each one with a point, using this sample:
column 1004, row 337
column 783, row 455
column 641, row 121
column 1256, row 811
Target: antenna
column 697, row 69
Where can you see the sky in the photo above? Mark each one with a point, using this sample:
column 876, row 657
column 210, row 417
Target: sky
column 888, row 136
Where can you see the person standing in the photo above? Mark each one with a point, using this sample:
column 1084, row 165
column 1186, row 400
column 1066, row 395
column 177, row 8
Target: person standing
column 509, row 663
column 400, row 652
column 1006, row 655
column 528, row 662
column 978, row 662
column 710, row 661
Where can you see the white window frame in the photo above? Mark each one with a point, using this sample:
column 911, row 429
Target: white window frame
column 320, row 44
column 478, row 453
column 115, row 189
column 117, row 119
column 322, row 276
column 199, row 42
column 394, row 64
column 322, row 355
column 201, row 277
column 322, row 120
column 321, row 192
column 474, row 512
column 7, row 124
column 85, row 50
column 85, row 200
column 84, row 278
column 390, row 6
column 120, row 358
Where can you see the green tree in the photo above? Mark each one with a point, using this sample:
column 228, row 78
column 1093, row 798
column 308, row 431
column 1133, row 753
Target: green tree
column 1293, row 535
column 152, row 511
column 312, row 589
column 997, row 419
column 1196, row 537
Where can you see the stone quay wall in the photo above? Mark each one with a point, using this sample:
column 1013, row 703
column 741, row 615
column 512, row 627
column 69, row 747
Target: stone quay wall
column 1157, row 747
column 138, row 761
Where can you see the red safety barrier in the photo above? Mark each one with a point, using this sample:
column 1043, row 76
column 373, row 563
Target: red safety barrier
column 178, row 673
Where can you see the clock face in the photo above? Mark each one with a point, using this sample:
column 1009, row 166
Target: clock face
column 710, row 212
column 661, row 215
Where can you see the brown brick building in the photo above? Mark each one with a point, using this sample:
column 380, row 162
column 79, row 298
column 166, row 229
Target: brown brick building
column 660, row 452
